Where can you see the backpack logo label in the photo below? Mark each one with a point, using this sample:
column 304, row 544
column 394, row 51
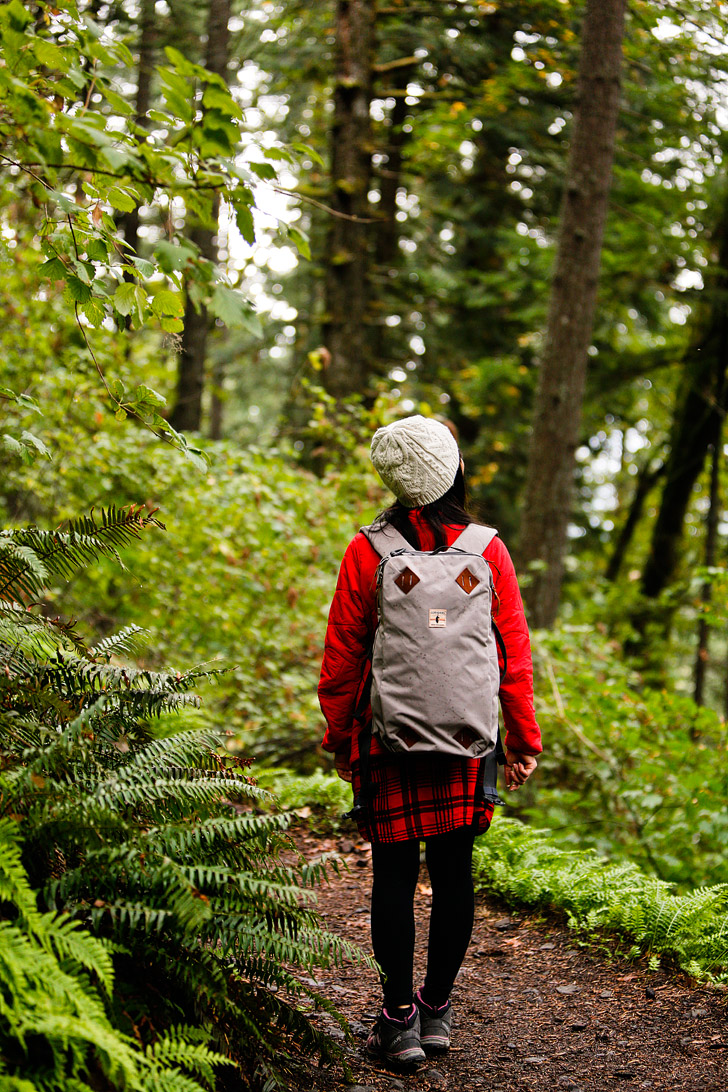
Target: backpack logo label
column 438, row 619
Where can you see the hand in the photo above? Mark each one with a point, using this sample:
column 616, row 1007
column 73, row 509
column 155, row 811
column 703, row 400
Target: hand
column 343, row 767
column 518, row 768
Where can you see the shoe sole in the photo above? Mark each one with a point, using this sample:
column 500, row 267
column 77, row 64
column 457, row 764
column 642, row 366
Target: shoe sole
column 408, row 1059
column 435, row 1046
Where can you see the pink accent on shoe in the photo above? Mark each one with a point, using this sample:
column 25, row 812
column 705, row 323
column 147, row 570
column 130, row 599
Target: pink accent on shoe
column 403, row 1020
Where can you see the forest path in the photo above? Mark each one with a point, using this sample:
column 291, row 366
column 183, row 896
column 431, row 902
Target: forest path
column 533, row 1011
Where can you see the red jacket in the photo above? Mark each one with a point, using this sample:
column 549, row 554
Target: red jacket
column 353, row 618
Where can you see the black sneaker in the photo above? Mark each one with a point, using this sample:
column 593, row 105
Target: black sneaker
column 398, row 1041
column 436, row 1025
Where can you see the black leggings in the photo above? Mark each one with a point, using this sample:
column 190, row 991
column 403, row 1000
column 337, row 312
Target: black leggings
column 395, row 871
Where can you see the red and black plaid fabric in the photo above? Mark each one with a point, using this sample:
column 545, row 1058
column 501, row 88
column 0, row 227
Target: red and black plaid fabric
column 416, row 796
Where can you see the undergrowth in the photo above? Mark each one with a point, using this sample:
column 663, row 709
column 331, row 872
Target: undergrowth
column 524, row 868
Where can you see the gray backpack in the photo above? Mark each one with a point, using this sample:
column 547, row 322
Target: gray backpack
column 434, row 667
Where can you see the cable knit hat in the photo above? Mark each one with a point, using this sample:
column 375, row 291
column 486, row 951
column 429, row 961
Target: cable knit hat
column 417, row 458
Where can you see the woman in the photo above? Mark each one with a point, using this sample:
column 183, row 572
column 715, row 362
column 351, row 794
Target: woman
column 435, row 798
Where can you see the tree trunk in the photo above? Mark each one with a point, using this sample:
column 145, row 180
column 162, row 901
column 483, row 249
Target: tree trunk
column 711, row 538
column 187, row 413
column 646, row 479
column 696, row 427
column 557, row 411
column 346, row 289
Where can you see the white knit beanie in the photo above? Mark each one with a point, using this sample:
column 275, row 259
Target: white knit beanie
column 417, row 458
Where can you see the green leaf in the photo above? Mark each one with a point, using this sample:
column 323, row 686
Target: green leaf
column 172, row 257
column 30, row 440
column 11, row 444
column 307, row 150
column 94, row 311
column 54, row 269
column 19, row 17
column 50, row 55
column 116, row 102
column 116, row 157
column 244, row 220
column 143, row 267
column 263, row 170
column 150, row 396
column 76, row 290
column 166, row 302
column 23, row 400
column 279, row 153
column 97, row 250
column 180, row 62
column 214, row 98
column 124, row 301
column 300, row 241
column 121, row 199
column 232, row 308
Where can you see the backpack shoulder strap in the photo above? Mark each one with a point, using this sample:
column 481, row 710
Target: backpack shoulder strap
column 386, row 539
column 475, row 539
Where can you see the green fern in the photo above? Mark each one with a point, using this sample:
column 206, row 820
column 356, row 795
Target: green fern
column 28, row 555
column 168, row 918
column 521, row 866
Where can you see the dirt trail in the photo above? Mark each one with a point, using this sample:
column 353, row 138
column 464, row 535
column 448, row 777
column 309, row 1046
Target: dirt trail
column 533, row 1011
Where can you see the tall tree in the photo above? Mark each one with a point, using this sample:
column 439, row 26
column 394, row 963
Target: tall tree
column 187, row 413
column 347, row 258
column 698, row 421
column 557, row 411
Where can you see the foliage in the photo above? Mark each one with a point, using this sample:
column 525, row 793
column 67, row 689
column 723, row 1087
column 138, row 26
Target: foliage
column 323, row 793
column 524, row 867
column 72, row 147
column 56, row 1032
column 621, row 772
column 261, row 535
column 626, row 769
column 154, row 846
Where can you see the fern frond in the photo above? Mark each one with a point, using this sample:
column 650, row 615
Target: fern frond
column 85, row 539
column 127, row 640
column 23, row 574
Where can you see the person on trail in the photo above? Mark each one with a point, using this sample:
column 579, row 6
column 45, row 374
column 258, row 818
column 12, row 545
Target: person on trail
column 406, row 798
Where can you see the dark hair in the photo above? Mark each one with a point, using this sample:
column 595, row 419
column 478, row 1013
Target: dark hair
column 448, row 510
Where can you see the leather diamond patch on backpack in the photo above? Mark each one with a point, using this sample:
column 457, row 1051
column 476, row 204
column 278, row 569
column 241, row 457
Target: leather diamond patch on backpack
column 407, row 580
column 408, row 737
column 467, row 581
column 466, row 737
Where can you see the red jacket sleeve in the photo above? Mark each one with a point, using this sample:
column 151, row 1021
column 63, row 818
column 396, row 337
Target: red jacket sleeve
column 352, row 619
column 516, row 691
